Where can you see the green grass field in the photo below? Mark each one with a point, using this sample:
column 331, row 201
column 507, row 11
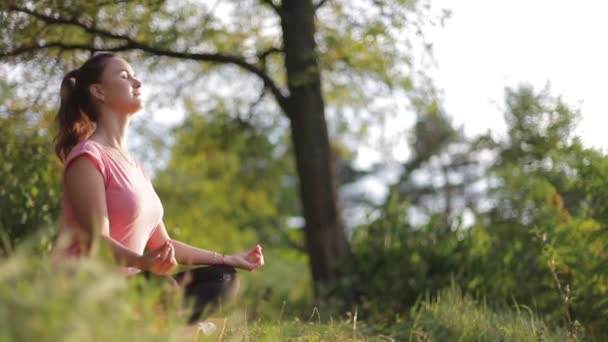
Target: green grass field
column 86, row 301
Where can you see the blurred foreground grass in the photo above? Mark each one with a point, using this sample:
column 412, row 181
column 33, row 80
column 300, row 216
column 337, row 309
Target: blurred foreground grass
column 89, row 301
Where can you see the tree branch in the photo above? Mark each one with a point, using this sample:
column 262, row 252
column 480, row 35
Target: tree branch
column 224, row 59
column 67, row 47
column 270, row 51
column 263, row 56
column 319, row 4
column 132, row 44
column 278, row 10
column 73, row 22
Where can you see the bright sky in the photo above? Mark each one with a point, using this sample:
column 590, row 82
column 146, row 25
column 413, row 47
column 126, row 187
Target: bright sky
column 488, row 44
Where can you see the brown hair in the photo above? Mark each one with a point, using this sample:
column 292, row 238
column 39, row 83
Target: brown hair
column 77, row 113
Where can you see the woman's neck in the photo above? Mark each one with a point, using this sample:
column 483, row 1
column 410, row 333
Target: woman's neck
column 112, row 129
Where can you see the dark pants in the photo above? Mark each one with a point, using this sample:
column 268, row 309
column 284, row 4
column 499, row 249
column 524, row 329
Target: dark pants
column 206, row 288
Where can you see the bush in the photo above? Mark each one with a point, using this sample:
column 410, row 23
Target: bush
column 30, row 192
column 396, row 262
column 452, row 316
column 88, row 300
column 79, row 301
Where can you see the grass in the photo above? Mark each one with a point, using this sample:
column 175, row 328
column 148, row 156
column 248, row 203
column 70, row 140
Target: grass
column 88, row 301
column 456, row 317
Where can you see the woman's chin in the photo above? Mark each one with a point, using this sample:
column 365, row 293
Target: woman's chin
column 137, row 108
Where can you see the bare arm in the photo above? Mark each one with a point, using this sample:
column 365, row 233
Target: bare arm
column 85, row 188
column 91, row 213
column 189, row 255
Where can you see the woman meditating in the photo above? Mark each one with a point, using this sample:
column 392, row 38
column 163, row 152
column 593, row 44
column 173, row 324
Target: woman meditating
column 108, row 197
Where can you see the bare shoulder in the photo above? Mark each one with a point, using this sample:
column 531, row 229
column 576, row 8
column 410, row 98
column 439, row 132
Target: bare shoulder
column 83, row 172
column 84, row 186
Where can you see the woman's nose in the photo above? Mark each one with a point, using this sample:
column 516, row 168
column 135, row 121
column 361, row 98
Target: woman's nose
column 137, row 83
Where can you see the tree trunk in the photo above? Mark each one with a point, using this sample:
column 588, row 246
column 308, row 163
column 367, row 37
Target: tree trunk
column 326, row 240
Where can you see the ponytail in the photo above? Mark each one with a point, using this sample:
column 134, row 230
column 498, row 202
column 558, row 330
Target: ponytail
column 74, row 126
column 77, row 114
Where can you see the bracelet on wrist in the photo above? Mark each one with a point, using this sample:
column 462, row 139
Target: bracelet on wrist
column 213, row 261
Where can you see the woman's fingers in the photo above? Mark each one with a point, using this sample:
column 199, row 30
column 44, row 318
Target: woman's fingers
column 256, row 256
column 160, row 253
column 163, row 261
column 250, row 257
column 254, row 260
column 151, row 257
column 171, row 260
column 249, row 265
column 260, row 259
column 161, row 248
column 257, row 250
column 168, row 262
column 166, row 251
column 171, row 254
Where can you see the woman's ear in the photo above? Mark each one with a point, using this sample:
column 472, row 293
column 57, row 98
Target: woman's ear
column 97, row 92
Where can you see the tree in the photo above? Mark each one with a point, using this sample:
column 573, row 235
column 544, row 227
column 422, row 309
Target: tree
column 297, row 50
column 222, row 175
column 542, row 242
column 29, row 180
column 437, row 179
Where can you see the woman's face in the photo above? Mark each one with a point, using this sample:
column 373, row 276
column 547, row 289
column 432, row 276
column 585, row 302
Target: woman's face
column 118, row 89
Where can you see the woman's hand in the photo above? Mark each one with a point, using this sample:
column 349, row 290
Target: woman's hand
column 159, row 261
column 250, row 260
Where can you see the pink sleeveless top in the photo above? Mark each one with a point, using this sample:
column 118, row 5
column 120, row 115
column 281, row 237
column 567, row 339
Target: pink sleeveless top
column 134, row 209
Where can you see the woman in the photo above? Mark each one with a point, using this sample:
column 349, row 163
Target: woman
column 109, row 198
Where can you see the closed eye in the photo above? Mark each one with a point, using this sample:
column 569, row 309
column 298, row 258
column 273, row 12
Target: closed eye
column 125, row 74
